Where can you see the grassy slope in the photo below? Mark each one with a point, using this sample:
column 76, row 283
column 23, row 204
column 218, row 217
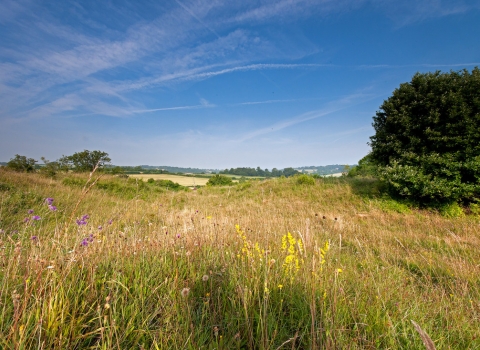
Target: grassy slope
column 242, row 288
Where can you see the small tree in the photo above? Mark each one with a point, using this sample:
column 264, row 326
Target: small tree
column 50, row 169
column 84, row 161
column 22, row 164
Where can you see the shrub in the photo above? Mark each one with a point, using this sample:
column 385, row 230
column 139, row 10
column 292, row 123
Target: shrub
column 219, row 180
column 305, row 180
column 451, row 210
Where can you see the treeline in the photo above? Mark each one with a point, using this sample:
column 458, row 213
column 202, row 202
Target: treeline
column 84, row 161
column 259, row 172
column 326, row 169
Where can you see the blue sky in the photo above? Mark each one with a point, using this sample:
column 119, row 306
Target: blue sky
column 216, row 84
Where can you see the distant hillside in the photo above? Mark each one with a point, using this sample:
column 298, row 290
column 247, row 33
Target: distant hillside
column 323, row 169
column 165, row 169
column 320, row 170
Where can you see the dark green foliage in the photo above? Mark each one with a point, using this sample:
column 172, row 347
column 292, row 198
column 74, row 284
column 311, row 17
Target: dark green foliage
column 365, row 167
column 169, row 185
column 219, row 180
column 427, row 140
column 84, row 161
column 22, row 164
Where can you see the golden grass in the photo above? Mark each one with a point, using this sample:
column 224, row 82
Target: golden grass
column 141, row 280
column 181, row 180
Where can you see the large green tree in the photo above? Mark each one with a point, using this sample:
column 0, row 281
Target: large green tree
column 427, row 137
column 22, row 164
column 84, row 161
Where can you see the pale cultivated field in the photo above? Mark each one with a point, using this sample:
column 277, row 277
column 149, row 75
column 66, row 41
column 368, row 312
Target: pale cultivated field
column 181, row 180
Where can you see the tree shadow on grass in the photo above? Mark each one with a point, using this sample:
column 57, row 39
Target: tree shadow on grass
column 368, row 187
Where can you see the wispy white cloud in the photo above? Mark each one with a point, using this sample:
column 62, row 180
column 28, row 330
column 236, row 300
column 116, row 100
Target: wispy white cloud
column 424, row 65
column 408, row 12
column 201, row 73
column 330, row 108
column 197, row 18
column 265, row 102
column 203, row 104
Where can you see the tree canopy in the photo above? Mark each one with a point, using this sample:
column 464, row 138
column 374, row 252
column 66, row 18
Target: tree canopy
column 427, row 137
column 84, row 161
column 22, row 164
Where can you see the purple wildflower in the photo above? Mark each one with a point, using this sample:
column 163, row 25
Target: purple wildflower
column 52, row 207
column 85, row 217
column 84, row 242
column 34, row 238
column 36, row 217
column 26, row 220
column 30, row 211
column 90, row 238
column 110, row 222
column 49, row 201
column 81, row 222
column 178, row 236
column 100, row 227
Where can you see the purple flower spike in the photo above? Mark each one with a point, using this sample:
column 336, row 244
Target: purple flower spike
column 81, row 222
column 84, row 242
column 49, row 201
column 85, row 217
column 110, row 222
column 36, row 217
column 34, row 238
column 30, row 211
column 52, row 207
column 178, row 236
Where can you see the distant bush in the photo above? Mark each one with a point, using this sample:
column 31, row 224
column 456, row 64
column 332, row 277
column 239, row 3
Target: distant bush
column 219, row 180
column 168, row 184
column 305, row 180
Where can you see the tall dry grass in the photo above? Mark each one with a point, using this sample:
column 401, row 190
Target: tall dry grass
column 216, row 268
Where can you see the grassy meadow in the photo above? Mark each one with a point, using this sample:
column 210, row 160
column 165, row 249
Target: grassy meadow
column 275, row 264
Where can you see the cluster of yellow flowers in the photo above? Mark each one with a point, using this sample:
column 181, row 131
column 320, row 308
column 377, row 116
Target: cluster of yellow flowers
column 294, row 248
column 323, row 251
column 251, row 252
column 246, row 248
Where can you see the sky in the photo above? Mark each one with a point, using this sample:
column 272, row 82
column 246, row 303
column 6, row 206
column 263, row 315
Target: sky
column 216, row 84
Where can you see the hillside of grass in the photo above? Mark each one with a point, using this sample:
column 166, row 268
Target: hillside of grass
column 286, row 263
